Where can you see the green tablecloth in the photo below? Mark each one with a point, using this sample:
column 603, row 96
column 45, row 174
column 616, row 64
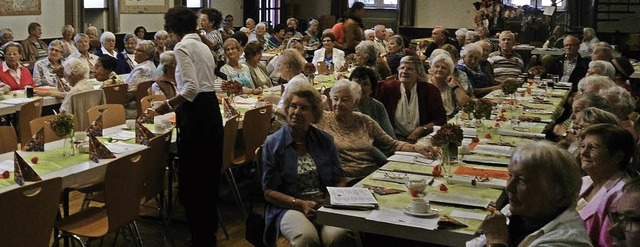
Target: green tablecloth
column 48, row 161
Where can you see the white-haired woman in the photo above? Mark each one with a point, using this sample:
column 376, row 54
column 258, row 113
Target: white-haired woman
column 75, row 72
column 601, row 67
column 479, row 79
column 166, row 83
column 160, row 38
column 145, row 70
column 622, row 105
column 311, row 35
column 593, row 83
column 588, row 40
column 82, row 43
column 108, row 45
column 452, row 92
column 260, row 33
column 67, row 40
column 48, row 71
column 290, row 64
column 126, row 58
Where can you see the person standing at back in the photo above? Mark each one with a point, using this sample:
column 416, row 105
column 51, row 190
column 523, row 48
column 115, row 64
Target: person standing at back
column 199, row 123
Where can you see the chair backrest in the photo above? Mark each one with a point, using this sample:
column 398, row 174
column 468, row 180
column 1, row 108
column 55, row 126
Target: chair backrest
column 255, row 128
column 230, row 134
column 28, row 112
column 142, row 91
column 154, row 165
column 116, row 94
column 9, row 139
column 43, row 121
column 29, row 213
column 145, row 102
column 122, row 190
column 81, row 102
column 112, row 114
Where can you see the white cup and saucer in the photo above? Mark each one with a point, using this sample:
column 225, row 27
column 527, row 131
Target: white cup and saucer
column 419, row 207
column 130, row 124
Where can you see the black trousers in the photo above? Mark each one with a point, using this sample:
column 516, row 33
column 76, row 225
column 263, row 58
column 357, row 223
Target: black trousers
column 200, row 139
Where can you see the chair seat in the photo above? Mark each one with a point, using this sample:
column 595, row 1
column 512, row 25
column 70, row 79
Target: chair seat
column 92, row 222
column 239, row 160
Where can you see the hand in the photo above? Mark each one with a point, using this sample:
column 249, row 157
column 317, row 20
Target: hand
column 415, row 135
column 495, row 228
column 309, row 208
column 560, row 129
column 151, row 112
column 42, row 93
column 428, row 151
column 257, row 90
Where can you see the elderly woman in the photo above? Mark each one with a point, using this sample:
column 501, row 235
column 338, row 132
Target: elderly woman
column 587, row 117
column 234, row 70
column 588, row 39
column 461, row 36
column 356, row 134
column 67, row 40
column 471, row 37
column 108, row 45
column 145, row 70
column 166, row 83
column 414, row 106
column 33, row 47
column 13, row 74
column 311, row 35
column 253, row 54
column 594, row 83
column 94, row 40
column 48, row 71
column 159, row 39
column 330, row 55
column 126, row 58
column 260, row 34
column 75, row 72
column 605, row 152
column 395, row 53
column 105, row 71
column 601, row 67
column 140, row 32
column 369, row 105
column 452, row 93
column 299, row 162
column 290, row 64
column 272, row 66
column 366, row 55
column 543, row 186
column 581, row 102
column 479, row 79
column 210, row 20
column 622, row 105
column 89, row 60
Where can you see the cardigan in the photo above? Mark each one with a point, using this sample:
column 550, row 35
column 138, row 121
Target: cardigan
column 25, row 78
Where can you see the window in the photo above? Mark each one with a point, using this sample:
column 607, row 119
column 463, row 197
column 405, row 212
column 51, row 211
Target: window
column 543, row 3
column 377, row 4
column 193, row 4
column 269, row 12
column 95, row 4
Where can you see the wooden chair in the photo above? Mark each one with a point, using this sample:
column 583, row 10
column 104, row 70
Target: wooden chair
column 112, row 114
column 230, row 135
column 81, row 102
column 9, row 140
column 29, row 213
column 146, row 101
column 28, row 112
column 142, row 91
column 43, row 121
column 153, row 172
column 122, row 191
column 116, row 94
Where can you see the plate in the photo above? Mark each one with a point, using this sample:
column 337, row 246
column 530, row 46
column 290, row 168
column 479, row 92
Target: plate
column 407, row 210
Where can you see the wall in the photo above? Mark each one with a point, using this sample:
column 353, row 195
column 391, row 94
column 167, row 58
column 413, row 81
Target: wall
column 447, row 13
column 305, row 9
column 51, row 20
column 230, row 7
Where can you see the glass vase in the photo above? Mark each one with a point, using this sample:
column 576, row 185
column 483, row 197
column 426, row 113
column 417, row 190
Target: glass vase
column 68, row 147
column 445, row 163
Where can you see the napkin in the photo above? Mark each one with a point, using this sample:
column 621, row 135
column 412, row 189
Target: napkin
column 22, row 171
column 37, row 142
column 229, row 110
column 96, row 127
column 143, row 135
column 97, row 150
column 508, row 132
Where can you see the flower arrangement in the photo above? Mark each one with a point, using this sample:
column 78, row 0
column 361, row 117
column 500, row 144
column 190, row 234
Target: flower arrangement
column 309, row 69
column 231, row 87
column 469, row 106
column 62, row 124
column 483, row 108
column 449, row 133
column 509, row 87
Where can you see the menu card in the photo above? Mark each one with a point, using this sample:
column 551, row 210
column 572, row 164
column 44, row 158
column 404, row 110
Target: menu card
column 351, row 198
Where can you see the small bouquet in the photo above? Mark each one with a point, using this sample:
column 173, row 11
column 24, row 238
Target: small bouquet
column 62, row 124
column 309, row 69
column 509, row 87
column 449, row 133
column 469, row 106
column 232, row 87
column 483, row 108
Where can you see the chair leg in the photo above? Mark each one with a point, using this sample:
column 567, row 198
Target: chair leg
column 224, row 229
column 136, row 234
column 236, row 192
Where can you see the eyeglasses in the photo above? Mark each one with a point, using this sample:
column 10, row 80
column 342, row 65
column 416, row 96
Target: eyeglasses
column 628, row 223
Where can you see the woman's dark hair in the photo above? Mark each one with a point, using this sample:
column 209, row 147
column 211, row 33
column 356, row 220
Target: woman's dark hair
column 278, row 27
column 615, row 139
column 329, row 35
column 214, row 16
column 290, row 30
column 138, row 29
column 108, row 62
column 241, row 37
column 252, row 49
column 364, row 73
column 180, row 20
column 356, row 6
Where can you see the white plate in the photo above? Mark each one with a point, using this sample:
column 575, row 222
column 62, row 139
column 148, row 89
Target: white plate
column 407, row 210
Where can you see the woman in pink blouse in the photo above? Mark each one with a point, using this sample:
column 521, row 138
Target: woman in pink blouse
column 12, row 73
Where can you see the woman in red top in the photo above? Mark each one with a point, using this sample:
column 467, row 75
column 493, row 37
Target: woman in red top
column 12, row 73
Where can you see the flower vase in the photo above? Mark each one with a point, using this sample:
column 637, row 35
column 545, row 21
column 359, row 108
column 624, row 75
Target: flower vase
column 445, row 163
column 68, row 147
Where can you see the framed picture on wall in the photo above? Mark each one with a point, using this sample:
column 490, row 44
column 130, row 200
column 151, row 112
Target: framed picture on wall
column 20, row 7
column 143, row 6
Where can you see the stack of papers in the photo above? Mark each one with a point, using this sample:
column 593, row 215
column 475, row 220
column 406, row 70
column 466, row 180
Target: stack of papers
column 123, row 135
column 351, row 198
column 493, row 150
column 458, row 200
column 412, row 158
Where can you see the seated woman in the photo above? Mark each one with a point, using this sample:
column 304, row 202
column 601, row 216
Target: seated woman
column 48, row 71
column 126, row 58
column 273, row 71
column 253, row 54
column 366, row 55
column 13, row 74
column 369, row 105
column 395, row 53
column 275, row 42
column 451, row 91
column 234, row 70
column 311, row 35
column 105, row 71
column 605, row 154
column 145, row 70
column 290, row 64
column 159, row 39
column 166, row 83
column 585, row 118
column 543, row 186
column 88, row 59
column 581, row 102
column 108, row 45
column 299, row 162
column 76, row 74
column 480, row 81
column 356, row 134
column 333, row 57
column 622, row 105
column 414, row 105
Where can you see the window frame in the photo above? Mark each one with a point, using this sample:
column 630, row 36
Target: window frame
column 561, row 4
column 378, row 4
column 105, row 5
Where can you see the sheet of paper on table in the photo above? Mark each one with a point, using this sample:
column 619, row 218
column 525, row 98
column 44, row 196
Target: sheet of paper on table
column 6, row 165
column 468, row 215
column 351, row 196
column 412, row 158
column 458, row 200
column 399, row 218
column 120, row 147
column 493, row 150
column 484, row 159
column 123, row 135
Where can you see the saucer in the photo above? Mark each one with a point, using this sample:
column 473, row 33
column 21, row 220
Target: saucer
column 126, row 128
column 407, row 210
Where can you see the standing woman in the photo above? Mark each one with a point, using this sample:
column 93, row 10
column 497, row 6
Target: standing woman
column 210, row 22
column 199, row 124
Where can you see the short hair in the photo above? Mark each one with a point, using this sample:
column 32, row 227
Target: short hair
column 389, row 30
column 65, row 27
column 399, row 40
column 590, row 31
column 252, row 49
column 369, row 31
column 261, row 24
column 378, row 27
column 56, row 42
column 619, row 98
column 471, row 47
column 473, row 35
column 160, row 34
column 369, row 50
column 289, row 30
column 599, row 81
column 278, row 27
column 108, row 62
column 241, row 37
column 329, row 35
column 32, row 26
column 356, row 6
column 80, row 36
column 292, row 58
column 603, row 66
column 443, row 58
column 168, row 58
column 129, row 36
column 107, row 35
column 180, row 20
column 313, row 21
column 462, row 32
column 417, row 63
column 91, row 28
column 306, row 91
column 507, row 32
column 233, row 42
column 615, row 139
column 554, row 165
column 605, row 48
column 593, row 115
column 453, row 51
column 365, row 73
column 4, row 31
column 139, row 28
column 6, row 46
column 593, row 99
column 437, row 52
column 292, row 19
column 73, row 67
column 214, row 16
column 354, row 89
column 148, row 47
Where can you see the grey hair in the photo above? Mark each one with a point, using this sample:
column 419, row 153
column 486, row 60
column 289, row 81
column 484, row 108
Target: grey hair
column 94, row 28
column 354, row 89
column 619, row 98
column 261, row 24
column 378, row 27
column 555, row 166
column 593, row 115
column 56, row 42
column 606, row 68
column 65, row 27
column 598, row 80
column 473, row 35
column 106, row 36
column 389, row 30
column 75, row 68
column 443, row 58
column 462, row 32
column 161, row 33
column 589, row 31
column 471, row 47
column 593, row 99
column 507, row 32
column 417, row 63
column 4, row 30
column 6, row 46
column 312, row 21
column 79, row 36
column 292, row 58
column 369, row 31
column 148, row 47
column 306, row 91
column 368, row 48
column 437, row 52
column 129, row 36
column 605, row 48
column 168, row 58
column 292, row 19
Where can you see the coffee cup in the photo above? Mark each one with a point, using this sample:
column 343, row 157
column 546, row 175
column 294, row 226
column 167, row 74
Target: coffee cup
column 131, row 123
column 418, row 185
column 420, row 206
column 80, row 136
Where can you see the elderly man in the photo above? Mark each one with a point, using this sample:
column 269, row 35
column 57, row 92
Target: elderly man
column 440, row 37
column 506, row 63
column 571, row 67
column 250, row 24
column 381, row 38
column 625, row 231
column 33, row 48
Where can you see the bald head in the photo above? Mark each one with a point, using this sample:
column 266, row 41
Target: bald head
column 439, row 35
column 571, row 45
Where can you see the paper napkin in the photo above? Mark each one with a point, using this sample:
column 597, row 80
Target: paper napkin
column 97, row 150
column 229, row 110
column 143, row 135
column 37, row 142
column 96, row 127
column 22, row 171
